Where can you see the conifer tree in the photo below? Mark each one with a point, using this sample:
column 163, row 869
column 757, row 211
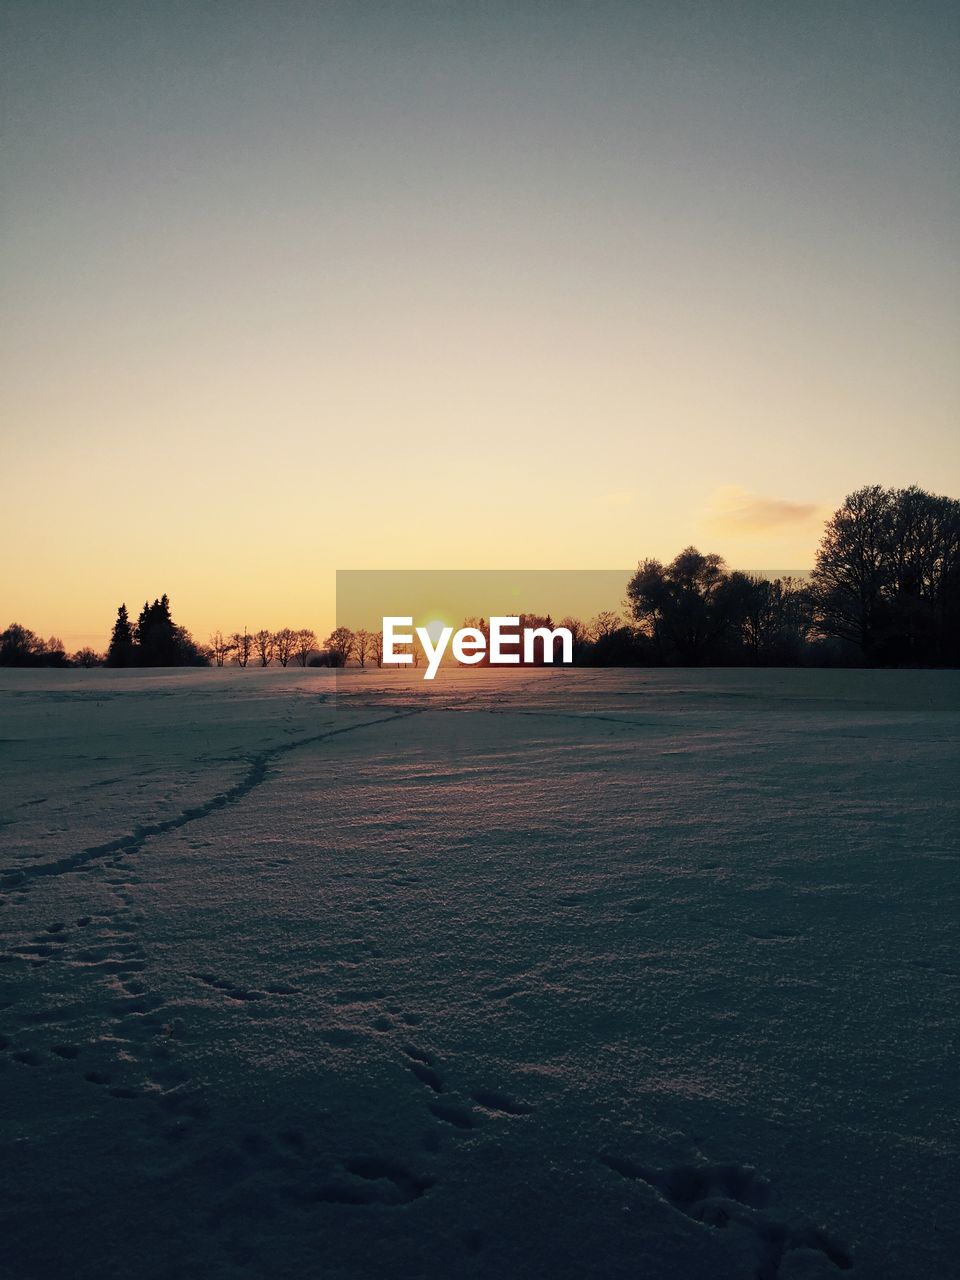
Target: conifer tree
column 156, row 641
column 120, row 652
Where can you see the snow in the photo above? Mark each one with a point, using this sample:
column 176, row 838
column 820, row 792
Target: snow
column 644, row 974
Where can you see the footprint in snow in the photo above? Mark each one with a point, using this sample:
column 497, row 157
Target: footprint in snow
column 723, row 1195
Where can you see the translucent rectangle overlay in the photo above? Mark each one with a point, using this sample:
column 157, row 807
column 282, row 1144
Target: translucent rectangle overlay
column 589, row 602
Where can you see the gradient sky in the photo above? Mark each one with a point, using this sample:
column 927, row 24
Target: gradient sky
column 293, row 287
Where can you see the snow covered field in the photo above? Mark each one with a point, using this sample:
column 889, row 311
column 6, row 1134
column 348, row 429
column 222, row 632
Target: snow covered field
column 544, row 974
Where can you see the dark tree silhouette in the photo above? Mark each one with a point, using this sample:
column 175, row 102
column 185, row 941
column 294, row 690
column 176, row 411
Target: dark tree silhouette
column 156, row 641
column 264, row 645
column 55, row 650
column 362, row 646
column 887, row 576
column 220, row 647
column 604, row 624
column 688, row 607
column 849, row 573
column 339, row 644
column 306, row 642
column 284, row 645
column 242, row 645
column 120, row 649
column 87, row 657
column 18, row 646
column 776, row 619
column 154, row 635
column 21, row 647
column 577, row 629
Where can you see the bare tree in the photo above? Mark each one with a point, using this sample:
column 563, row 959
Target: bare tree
column 220, row 647
column 242, row 645
column 284, row 643
column 604, row 624
column 340, row 643
column 263, row 643
column 576, row 628
column 362, row 644
column 378, row 648
column 305, row 644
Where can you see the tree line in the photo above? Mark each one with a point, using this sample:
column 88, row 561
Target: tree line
column 21, row 647
column 263, row 647
column 884, row 591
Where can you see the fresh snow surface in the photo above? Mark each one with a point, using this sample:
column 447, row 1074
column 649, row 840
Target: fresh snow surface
column 645, row 974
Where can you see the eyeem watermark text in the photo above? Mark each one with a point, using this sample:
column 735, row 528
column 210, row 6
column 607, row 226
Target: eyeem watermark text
column 469, row 645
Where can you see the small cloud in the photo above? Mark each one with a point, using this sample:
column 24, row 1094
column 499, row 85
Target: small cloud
column 736, row 511
column 620, row 498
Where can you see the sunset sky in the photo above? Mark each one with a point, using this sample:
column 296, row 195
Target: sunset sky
column 296, row 287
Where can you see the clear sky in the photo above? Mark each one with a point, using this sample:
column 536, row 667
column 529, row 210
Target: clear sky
column 296, row 287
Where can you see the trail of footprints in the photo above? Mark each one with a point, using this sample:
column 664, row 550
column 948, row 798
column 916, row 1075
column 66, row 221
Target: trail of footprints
column 371, row 1179
column 103, row 946
column 719, row 1196
column 137, row 1058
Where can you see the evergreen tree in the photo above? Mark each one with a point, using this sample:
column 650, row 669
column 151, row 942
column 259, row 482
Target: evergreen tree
column 120, row 652
column 156, row 641
column 155, row 635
